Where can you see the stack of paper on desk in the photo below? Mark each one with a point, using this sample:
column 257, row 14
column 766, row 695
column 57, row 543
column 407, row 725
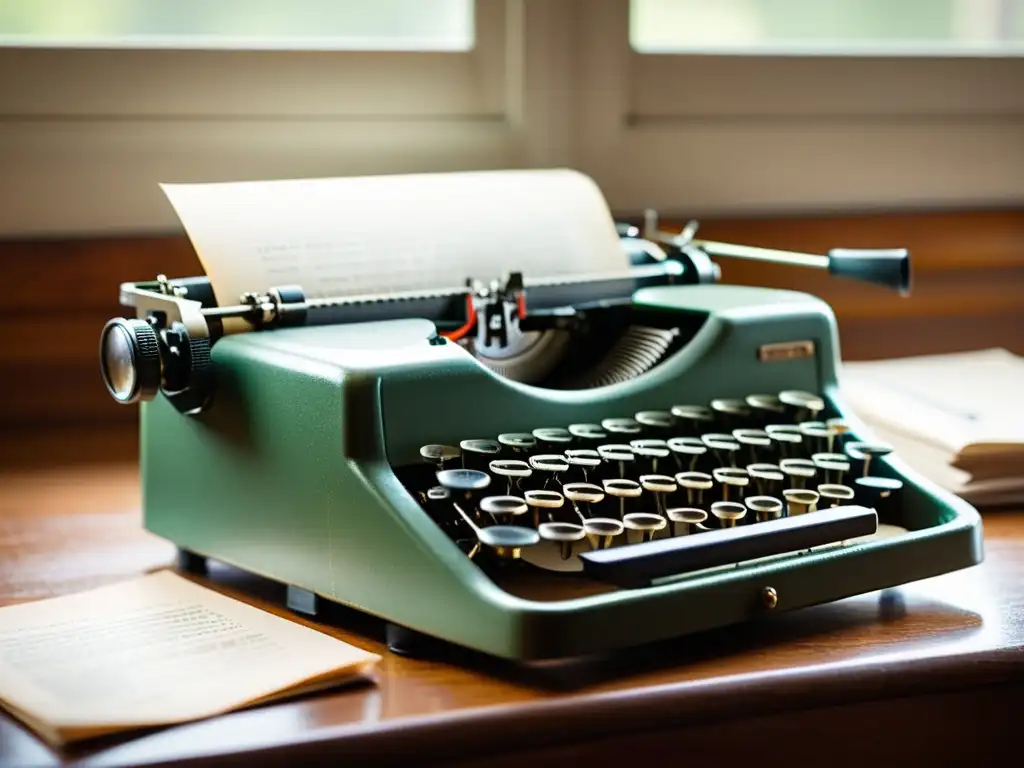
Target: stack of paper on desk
column 155, row 651
column 958, row 418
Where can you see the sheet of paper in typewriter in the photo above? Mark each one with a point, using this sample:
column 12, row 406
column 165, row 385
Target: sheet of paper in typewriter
column 384, row 234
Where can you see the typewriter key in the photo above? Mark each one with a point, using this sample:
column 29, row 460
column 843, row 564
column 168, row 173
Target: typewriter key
column 731, row 477
column 621, row 426
column 477, row 453
column 553, row 438
column 836, row 429
column 583, row 493
column 660, row 486
column 686, row 451
column 765, row 407
column 514, row 470
column 590, row 435
column 503, row 509
column 684, row 518
column 764, row 507
column 695, row 484
column 507, row 541
column 878, row 493
column 834, row 493
column 618, row 455
column 803, row 405
column 787, row 438
column 695, row 417
column 730, row 412
column 564, row 534
column 833, row 466
column 518, row 442
column 650, row 450
column 622, row 489
column 548, row 466
column 865, row 452
column 543, row 500
column 728, row 513
column 583, row 461
column 602, row 531
column 799, row 471
column 724, row 447
column 800, row 501
column 462, row 482
column 655, row 422
column 438, row 500
column 815, row 435
column 756, row 441
column 439, row 454
column 767, row 477
column 646, row 523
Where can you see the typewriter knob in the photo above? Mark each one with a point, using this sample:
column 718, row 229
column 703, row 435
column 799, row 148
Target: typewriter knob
column 130, row 360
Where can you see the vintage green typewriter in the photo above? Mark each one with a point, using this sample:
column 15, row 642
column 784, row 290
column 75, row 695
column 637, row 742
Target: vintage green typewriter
column 530, row 467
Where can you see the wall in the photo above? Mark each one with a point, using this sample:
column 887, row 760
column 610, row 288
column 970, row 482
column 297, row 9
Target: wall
column 969, row 269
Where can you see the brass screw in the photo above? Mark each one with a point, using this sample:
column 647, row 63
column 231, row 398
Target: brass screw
column 770, row 597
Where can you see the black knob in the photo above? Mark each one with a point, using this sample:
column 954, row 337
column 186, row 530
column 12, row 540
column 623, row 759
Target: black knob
column 130, row 359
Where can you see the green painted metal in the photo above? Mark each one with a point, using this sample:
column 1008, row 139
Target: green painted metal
column 288, row 475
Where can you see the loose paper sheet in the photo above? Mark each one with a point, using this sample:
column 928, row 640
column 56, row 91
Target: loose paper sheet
column 382, row 234
column 155, row 650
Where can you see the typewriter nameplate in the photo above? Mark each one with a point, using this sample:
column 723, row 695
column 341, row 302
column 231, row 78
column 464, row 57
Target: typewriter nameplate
column 785, row 350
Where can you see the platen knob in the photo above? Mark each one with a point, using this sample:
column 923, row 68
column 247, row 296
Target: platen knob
column 130, row 360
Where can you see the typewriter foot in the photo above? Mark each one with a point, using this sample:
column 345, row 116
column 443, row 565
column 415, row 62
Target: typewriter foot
column 190, row 562
column 301, row 601
column 403, row 641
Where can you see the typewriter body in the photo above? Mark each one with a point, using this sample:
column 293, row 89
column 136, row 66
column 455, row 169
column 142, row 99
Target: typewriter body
column 531, row 468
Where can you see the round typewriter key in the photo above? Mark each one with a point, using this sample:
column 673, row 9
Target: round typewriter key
column 617, row 455
column 787, row 437
column 622, row 489
column 543, row 500
column 815, row 434
column 655, row 421
column 799, row 471
column 731, row 477
column 462, row 481
column 651, row 451
column 583, row 461
column 685, row 518
column 861, row 451
column 695, row 417
column 836, row 429
column 878, row 493
column 477, row 453
column 767, row 477
column 438, row 501
column 764, row 507
column 695, row 484
column 564, row 534
column 588, row 434
column 514, row 470
column 802, row 404
column 687, row 451
column 800, row 501
column 438, row 454
column 835, row 493
column 583, row 493
column 602, row 531
column 549, row 466
column 765, row 406
column 660, row 486
column 504, row 509
column 518, row 442
column 728, row 513
column 833, row 465
column 508, row 540
column 645, row 523
column 730, row 412
column 553, row 438
column 756, row 441
column 621, row 426
column 724, row 447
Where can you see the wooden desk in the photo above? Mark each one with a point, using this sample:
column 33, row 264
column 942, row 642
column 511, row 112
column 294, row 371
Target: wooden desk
column 930, row 673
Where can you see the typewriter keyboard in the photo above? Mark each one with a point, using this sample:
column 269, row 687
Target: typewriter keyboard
column 565, row 497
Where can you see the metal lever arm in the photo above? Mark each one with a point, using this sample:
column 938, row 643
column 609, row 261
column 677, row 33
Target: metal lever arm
column 637, row 565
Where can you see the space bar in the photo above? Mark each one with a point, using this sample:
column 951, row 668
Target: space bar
column 637, row 565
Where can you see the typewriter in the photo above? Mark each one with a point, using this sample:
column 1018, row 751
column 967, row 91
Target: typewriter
column 534, row 468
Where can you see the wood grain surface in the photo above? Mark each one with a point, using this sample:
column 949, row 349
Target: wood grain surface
column 968, row 267
column 929, row 673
